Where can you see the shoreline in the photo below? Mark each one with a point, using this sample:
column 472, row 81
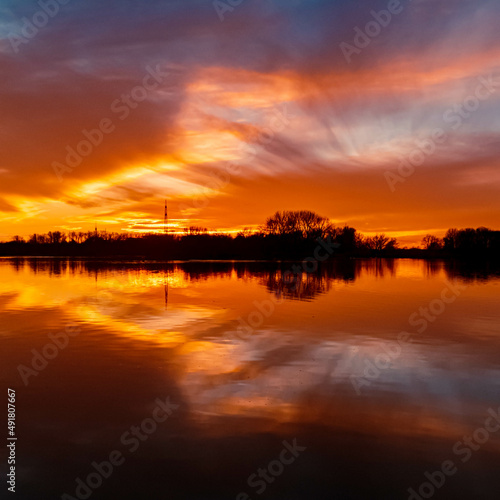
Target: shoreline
column 144, row 258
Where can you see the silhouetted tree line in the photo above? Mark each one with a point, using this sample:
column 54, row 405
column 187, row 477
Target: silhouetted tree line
column 465, row 242
column 284, row 235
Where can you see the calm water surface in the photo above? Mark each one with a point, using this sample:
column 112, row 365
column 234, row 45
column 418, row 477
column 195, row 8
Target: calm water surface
column 253, row 360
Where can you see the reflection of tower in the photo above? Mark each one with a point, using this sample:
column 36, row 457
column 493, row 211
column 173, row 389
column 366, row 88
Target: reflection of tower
column 165, row 219
column 165, row 285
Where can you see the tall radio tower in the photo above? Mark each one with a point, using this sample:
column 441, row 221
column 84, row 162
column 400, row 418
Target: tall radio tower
column 165, row 219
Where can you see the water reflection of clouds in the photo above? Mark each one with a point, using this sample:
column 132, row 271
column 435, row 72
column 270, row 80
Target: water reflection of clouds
column 292, row 374
column 290, row 357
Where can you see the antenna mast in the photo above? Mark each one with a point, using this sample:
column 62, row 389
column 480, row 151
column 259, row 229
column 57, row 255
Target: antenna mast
column 165, row 219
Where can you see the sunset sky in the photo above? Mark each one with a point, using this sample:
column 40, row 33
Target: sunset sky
column 262, row 96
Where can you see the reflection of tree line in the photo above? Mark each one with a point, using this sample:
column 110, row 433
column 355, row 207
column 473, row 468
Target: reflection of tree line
column 304, row 286
column 276, row 277
column 56, row 266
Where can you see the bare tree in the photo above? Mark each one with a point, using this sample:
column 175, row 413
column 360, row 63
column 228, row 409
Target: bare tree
column 304, row 222
column 451, row 239
column 431, row 242
column 56, row 237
